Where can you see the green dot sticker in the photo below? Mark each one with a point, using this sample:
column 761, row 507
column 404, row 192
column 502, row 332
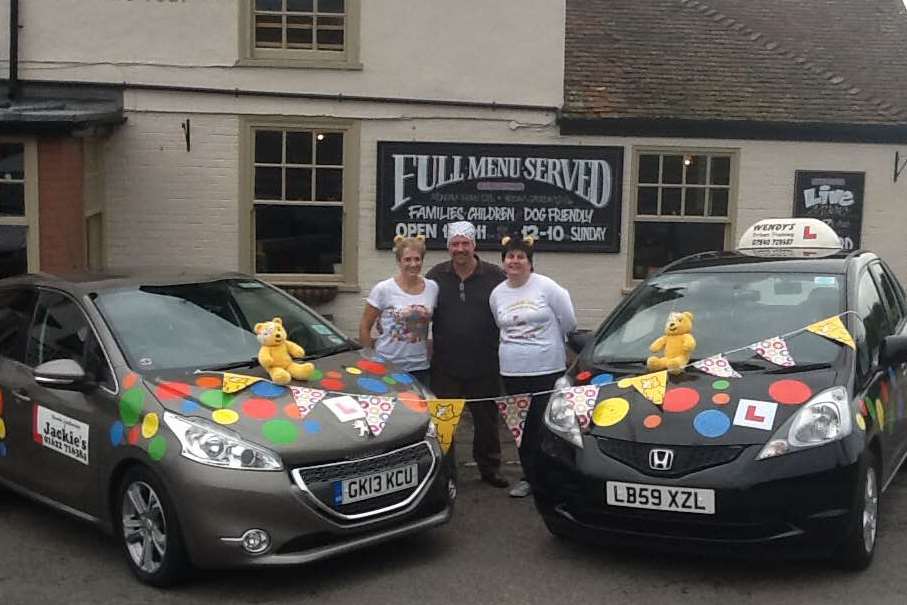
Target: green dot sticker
column 131, row 405
column 316, row 375
column 280, row 432
column 720, row 385
column 216, row 399
column 389, row 380
column 157, row 447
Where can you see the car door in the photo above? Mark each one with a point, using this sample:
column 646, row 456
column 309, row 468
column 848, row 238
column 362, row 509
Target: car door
column 16, row 308
column 69, row 427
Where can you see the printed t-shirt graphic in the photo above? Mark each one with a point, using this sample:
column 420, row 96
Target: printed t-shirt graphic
column 403, row 322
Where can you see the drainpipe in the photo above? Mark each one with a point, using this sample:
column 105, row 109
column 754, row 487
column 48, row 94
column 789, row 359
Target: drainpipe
column 13, row 49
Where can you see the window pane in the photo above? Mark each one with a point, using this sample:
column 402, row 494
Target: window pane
column 330, row 149
column 299, row 184
column 268, row 31
column 694, row 202
column 718, row 202
column 329, row 185
column 672, row 169
column 330, row 6
column 298, row 239
column 267, row 146
column 12, row 161
column 696, row 169
column 299, row 148
column 330, row 37
column 648, row 169
column 12, row 199
column 16, row 309
column 299, row 31
column 301, row 6
column 721, row 171
column 670, row 201
column 268, row 183
column 657, row 244
column 268, row 5
column 647, row 202
column 13, row 250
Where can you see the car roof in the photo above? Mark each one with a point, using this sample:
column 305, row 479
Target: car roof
column 80, row 283
column 722, row 262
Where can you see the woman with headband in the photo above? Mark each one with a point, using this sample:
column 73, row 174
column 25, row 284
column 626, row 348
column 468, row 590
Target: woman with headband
column 404, row 304
column 534, row 315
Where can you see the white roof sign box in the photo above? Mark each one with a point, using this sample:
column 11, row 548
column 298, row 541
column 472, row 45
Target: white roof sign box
column 789, row 237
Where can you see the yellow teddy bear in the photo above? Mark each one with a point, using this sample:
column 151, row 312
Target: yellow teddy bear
column 276, row 353
column 678, row 344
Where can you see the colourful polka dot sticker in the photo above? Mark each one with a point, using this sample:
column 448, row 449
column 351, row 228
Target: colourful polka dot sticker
column 354, row 371
column 652, row 421
column 157, row 448
column 216, row 399
column 316, row 375
column 130, row 380
column 610, row 411
column 413, row 401
column 225, row 416
column 332, row 384
column 389, row 380
column 280, row 432
column 721, row 398
column 681, row 399
column 312, row 426
column 210, row 382
column 333, row 374
column 711, row 423
column 150, row 425
column 372, row 367
column 171, row 391
column 2, row 450
column 117, row 433
column 402, row 378
column 268, row 389
column 789, row 392
column 134, row 434
column 259, row 409
column 292, row 410
column 372, row 385
column 861, row 422
column 583, row 376
column 721, row 385
column 2, row 429
column 189, row 407
column 602, row 379
column 131, row 404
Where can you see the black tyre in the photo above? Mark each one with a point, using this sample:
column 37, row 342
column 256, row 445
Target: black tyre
column 148, row 529
column 860, row 545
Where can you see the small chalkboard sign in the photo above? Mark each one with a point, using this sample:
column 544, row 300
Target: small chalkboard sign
column 835, row 198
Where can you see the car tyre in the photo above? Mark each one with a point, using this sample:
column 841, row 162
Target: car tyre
column 860, row 545
column 148, row 529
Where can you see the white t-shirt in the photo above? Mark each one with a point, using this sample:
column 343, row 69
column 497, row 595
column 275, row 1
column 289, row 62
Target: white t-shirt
column 403, row 322
column 534, row 320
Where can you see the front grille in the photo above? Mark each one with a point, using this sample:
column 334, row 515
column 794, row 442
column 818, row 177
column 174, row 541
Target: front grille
column 687, row 458
column 320, row 482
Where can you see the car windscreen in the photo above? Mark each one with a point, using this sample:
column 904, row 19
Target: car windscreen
column 207, row 324
column 730, row 310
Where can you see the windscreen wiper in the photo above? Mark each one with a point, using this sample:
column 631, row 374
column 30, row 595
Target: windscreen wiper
column 248, row 363
column 346, row 346
column 806, row 367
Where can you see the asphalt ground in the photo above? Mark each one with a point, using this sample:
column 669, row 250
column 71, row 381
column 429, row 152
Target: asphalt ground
column 496, row 550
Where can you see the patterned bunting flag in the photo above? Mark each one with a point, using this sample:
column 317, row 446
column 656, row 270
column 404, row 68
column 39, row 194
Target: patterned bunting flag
column 306, row 399
column 513, row 410
column 445, row 413
column 774, row 350
column 233, row 383
column 651, row 386
column 833, row 328
column 377, row 410
column 717, row 365
column 581, row 400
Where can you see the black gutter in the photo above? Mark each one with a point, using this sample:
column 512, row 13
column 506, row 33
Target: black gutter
column 829, row 132
column 13, row 92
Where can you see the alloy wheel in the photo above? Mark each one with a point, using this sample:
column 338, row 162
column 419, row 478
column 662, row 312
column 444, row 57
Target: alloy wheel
column 870, row 510
column 144, row 527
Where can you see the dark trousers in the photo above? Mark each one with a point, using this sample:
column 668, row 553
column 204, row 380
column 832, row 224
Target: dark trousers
column 486, row 443
column 532, row 430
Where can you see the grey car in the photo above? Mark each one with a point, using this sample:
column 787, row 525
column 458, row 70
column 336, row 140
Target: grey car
column 136, row 402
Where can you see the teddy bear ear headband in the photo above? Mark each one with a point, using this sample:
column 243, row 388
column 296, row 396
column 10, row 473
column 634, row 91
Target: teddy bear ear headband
column 528, row 240
column 400, row 238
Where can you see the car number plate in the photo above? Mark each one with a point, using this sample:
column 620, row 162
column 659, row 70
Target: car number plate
column 661, row 497
column 377, row 484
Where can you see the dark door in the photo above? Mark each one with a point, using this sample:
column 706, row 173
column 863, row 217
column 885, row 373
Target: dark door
column 16, row 309
column 68, row 427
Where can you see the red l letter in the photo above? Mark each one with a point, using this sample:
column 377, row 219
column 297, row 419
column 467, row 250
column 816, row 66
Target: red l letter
column 751, row 414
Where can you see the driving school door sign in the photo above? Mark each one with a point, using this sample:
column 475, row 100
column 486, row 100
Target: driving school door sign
column 568, row 198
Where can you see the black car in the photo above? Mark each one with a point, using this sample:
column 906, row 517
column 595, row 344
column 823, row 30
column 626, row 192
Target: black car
column 777, row 458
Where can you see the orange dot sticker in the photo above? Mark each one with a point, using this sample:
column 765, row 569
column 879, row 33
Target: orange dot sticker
column 209, row 382
column 721, row 399
column 413, row 401
column 652, row 422
column 130, row 379
column 292, row 410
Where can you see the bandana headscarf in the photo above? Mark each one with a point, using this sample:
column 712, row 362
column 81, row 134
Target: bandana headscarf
column 464, row 228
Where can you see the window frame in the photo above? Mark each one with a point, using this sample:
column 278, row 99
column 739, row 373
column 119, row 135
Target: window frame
column 730, row 221
column 348, row 278
column 31, row 219
column 348, row 58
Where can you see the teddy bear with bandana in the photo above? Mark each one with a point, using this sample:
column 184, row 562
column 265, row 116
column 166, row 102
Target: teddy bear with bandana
column 276, row 353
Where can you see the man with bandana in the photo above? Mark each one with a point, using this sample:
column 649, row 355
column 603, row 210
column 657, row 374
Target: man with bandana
column 464, row 361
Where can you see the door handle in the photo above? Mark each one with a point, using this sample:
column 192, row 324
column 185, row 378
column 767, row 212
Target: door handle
column 21, row 394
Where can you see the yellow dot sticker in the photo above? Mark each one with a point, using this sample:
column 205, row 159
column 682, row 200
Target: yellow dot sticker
column 354, row 371
column 861, row 423
column 150, row 425
column 2, row 429
column 224, row 416
column 880, row 413
column 610, row 411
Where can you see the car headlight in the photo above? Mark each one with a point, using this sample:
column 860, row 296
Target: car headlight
column 560, row 418
column 825, row 418
column 210, row 444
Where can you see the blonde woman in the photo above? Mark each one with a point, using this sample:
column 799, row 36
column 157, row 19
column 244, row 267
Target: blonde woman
column 402, row 307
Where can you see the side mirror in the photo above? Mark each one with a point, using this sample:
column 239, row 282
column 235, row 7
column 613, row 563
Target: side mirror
column 894, row 350
column 64, row 374
column 579, row 339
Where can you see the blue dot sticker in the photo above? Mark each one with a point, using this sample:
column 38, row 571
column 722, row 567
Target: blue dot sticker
column 312, row 426
column 372, row 385
column 2, row 449
column 711, row 423
column 402, row 378
column 268, row 389
column 602, row 379
column 189, row 407
column 117, row 433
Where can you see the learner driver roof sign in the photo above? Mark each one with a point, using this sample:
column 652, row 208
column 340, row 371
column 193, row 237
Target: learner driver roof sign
column 794, row 237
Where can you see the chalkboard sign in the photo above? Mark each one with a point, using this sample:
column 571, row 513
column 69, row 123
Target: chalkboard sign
column 567, row 197
column 835, row 198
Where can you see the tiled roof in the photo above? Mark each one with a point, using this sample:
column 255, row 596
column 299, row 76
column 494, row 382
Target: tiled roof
column 785, row 61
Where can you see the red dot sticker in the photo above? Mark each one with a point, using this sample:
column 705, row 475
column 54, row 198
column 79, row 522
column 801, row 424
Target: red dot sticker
column 883, row 393
column 259, row 409
column 584, row 376
column 652, row 422
column 332, row 384
column 372, row 367
column 789, row 392
column 721, row 399
column 413, row 401
column 168, row 391
column 209, row 382
column 134, row 433
column 680, row 399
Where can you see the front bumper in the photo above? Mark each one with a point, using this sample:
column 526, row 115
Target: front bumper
column 801, row 503
column 216, row 507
